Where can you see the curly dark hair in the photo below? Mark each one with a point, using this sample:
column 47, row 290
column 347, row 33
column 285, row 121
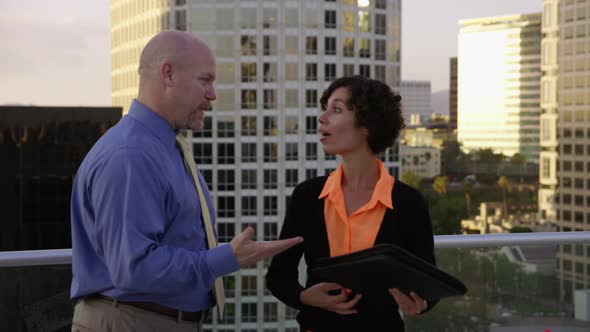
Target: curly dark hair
column 376, row 107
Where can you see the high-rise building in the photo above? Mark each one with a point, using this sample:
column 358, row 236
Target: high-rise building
column 41, row 149
column 548, row 135
column 274, row 59
column 416, row 98
column 453, row 92
column 565, row 128
column 499, row 60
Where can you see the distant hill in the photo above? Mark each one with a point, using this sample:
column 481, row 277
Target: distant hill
column 440, row 102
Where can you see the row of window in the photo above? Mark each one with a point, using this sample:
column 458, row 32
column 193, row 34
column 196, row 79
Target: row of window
column 226, row 178
column 249, row 73
column 226, row 127
column 248, row 46
column 226, row 152
column 250, row 314
column 223, row 19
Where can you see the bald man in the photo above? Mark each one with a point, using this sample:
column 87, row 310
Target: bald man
column 140, row 258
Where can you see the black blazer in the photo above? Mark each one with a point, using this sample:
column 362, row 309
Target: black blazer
column 406, row 225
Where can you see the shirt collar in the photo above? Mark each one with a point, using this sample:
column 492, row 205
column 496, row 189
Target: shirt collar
column 153, row 122
column 382, row 192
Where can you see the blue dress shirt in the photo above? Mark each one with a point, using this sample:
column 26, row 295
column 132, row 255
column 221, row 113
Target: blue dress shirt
column 137, row 230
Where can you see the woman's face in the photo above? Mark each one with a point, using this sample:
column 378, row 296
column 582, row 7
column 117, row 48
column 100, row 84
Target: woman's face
column 337, row 130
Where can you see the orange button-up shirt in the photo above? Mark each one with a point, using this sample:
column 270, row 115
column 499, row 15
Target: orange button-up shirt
column 358, row 231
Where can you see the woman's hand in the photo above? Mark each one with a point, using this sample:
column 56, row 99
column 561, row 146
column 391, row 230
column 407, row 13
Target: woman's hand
column 409, row 305
column 318, row 296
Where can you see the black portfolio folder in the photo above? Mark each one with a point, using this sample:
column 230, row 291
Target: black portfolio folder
column 387, row 266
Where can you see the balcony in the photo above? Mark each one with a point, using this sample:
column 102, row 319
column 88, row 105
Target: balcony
column 517, row 282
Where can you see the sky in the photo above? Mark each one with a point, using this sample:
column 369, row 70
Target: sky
column 57, row 52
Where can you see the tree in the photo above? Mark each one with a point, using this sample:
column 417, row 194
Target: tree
column 467, row 189
column 440, row 185
column 517, row 159
column 504, row 184
column 412, row 179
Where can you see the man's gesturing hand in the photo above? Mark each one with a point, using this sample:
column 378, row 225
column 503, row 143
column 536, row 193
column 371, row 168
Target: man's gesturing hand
column 249, row 252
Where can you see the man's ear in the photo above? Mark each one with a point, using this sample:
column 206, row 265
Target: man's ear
column 166, row 72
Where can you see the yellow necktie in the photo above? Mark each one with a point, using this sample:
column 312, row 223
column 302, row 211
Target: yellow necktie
column 189, row 163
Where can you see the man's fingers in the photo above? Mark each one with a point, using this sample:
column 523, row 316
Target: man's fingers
column 245, row 235
column 420, row 303
column 270, row 248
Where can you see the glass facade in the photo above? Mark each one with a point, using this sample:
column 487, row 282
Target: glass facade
column 42, row 148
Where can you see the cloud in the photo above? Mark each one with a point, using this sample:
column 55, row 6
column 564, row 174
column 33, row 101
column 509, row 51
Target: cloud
column 46, row 57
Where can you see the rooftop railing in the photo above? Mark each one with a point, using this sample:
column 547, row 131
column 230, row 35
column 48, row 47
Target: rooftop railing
column 64, row 256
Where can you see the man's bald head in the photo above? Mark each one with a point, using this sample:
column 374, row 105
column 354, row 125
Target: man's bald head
column 171, row 46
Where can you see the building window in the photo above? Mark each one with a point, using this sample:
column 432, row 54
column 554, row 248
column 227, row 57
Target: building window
column 380, row 73
column 364, row 21
column 291, row 72
column 380, row 24
column 207, row 130
column 225, row 232
column 365, row 48
column 380, row 49
column 348, row 47
column 291, row 98
column 226, row 207
column 365, row 70
column 248, row 126
column 229, row 317
column 248, row 312
column 270, row 126
column 269, row 18
column 330, row 156
column 207, row 176
column 225, row 153
column 269, row 101
column 270, row 206
column 203, row 153
column 311, row 45
column 291, row 125
column 269, row 72
column 229, row 283
column 249, row 72
column 225, row 179
column 248, row 286
column 248, row 152
column 180, row 19
column 291, row 177
column 291, row 151
column 330, row 46
column 270, row 179
column 248, row 45
column 249, row 99
column 248, row 205
column 290, row 313
column 311, row 71
column 330, row 19
column 269, row 45
column 270, row 151
column 311, row 98
column 330, row 71
column 348, row 69
column 248, row 179
column 270, row 231
column 381, row 4
column 225, row 128
column 311, row 151
column 311, row 173
column 270, row 312
column 248, row 18
column 311, row 125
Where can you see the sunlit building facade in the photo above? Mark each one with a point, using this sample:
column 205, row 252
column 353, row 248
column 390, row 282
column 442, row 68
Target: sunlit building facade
column 566, row 130
column 274, row 59
column 499, row 76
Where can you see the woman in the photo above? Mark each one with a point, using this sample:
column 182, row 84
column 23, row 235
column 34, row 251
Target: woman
column 356, row 206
